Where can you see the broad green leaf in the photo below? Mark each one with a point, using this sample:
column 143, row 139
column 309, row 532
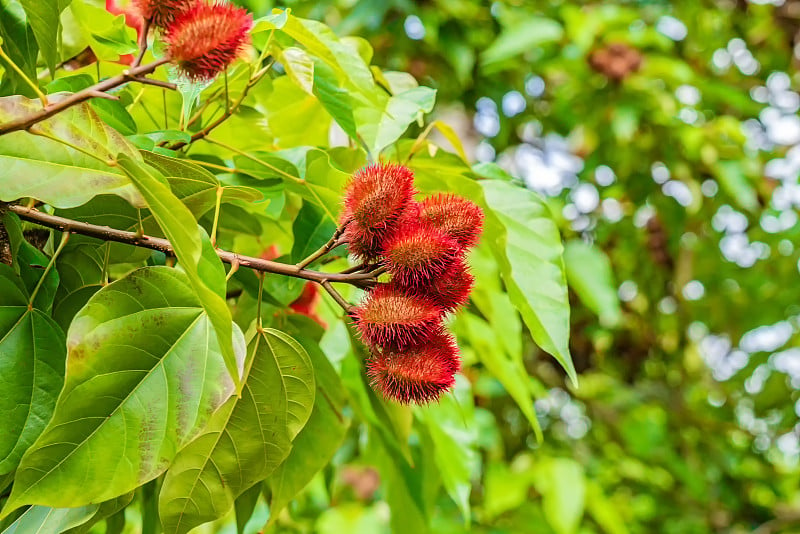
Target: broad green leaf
column 320, row 41
column 563, row 487
column 108, row 34
column 51, row 520
column 590, row 276
column 32, row 353
column 335, row 99
column 19, row 42
column 605, row 512
column 178, row 224
column 144, row 373
column 315, row 444
column 527, row 245
column 112, row 112
column 299, row 67
column 312, row 230
column 245, row 440
column 59, row 174
column 382, row 126
column 43, row 17
column 524, row 35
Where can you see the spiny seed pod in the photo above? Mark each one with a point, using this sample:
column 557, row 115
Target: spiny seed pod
column 375, row 200
column 419, row 374
column 204, row 40
column 391, row 318
column 450, row 291
column 418, row 253
column 162, row 13
column 457, row 217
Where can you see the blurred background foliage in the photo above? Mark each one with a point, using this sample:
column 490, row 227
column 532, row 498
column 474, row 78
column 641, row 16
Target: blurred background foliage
column 666, row 138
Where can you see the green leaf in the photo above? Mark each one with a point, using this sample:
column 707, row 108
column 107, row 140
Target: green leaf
column 454, row 437
column 563, row 487
column 335, row 99
column 112, row 112
column 245, row 440
column 312, row 229
column 43, row 17
column 187, row 239
column 50, row 520
column 55, row 173
column 299, row 67
column 20, row 44
column 525, row 240
column 105, row 511
column 30, row 263
column 107, row 33
column 315, row 444
column 590, row 276
column 32, row 354
column 144, row 374
column 524, row 35
column 380, row 127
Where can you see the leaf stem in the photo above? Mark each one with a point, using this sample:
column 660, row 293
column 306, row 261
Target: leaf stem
column 27, row 80
column 216, row 216
column 259, row 326
column 64, row 239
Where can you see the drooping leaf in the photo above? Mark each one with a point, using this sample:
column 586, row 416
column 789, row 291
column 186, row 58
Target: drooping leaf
column 319, row 439
column 527, row 245
column 144, row 373
column 187, row 239
column 55, row 173
column 312, row 230
column 43, row 17
column 245, row 440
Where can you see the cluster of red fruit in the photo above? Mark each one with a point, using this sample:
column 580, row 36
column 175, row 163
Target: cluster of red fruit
column 423, row 245
column 202, row 37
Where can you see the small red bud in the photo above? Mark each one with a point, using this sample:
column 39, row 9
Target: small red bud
column 205, row 39
column 389, row 317
column 457, row 217
column 162, row 13
column 417, row 253
column 418, row 374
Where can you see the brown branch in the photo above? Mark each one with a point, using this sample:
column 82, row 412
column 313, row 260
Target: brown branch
column 23, row 123
column 142, row 42
column 362, row 280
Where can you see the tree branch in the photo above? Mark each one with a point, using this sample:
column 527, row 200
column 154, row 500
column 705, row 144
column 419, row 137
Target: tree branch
column 135, row 74
column 362, row 280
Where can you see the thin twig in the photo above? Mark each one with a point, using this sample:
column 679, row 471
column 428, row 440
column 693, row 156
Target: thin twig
column 64, row 239
column 23, row 123
column 142, row 43
column 332, row 243
column 230, row 109
column 336, row 296
column 361, row 280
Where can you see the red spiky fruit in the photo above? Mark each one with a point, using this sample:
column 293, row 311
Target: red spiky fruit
column 391, row 318
column 205, row 39
column 450, row 291
column 417, row 253
column 162, row 13
column 375, row 200
column 456, row 216
column 418, row 374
